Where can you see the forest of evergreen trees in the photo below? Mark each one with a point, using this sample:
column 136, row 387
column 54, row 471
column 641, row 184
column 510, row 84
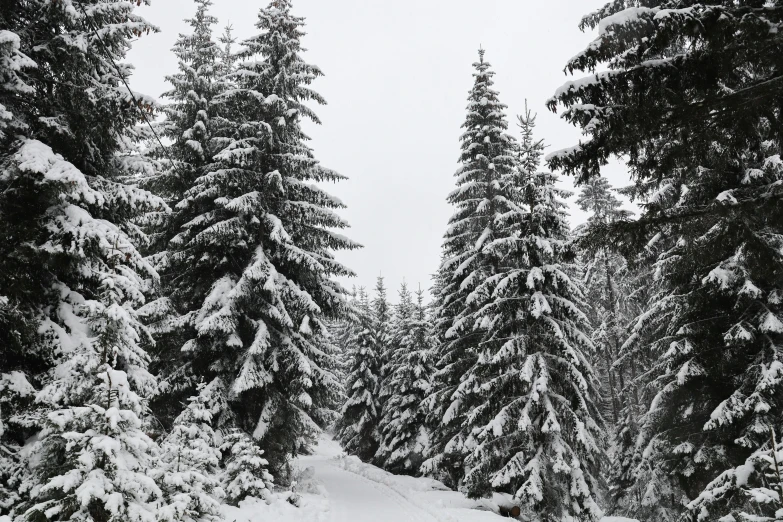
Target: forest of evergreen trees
column 173, row 333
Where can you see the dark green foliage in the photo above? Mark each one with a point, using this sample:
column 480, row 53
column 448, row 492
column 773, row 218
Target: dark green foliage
column 691, row 100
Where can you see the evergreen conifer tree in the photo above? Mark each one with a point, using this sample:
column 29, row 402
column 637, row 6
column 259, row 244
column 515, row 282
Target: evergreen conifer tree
column 620, row 292
column 16, row 394
column 70, row 274
column 532, row 428
column 92, row 460
column 703, row 149
column 381, row 331
column 603, row 272
column 246, row 472
column 401, row 427
column 358, row 425
column 191, row 466
column 190, row 108
column 482, row 202
column 255, row 264
column 189, row 126
column 751, row 491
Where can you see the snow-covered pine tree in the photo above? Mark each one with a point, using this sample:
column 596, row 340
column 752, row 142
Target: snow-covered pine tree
column 704, row 151
column 345, row 334
column 13, row 66
column 16, row 395
column 481, row 201
column 189, row 127
column 358, row 424
column 255, row 266
column 532, row 427
column 603, row 274
column 635, row 487
column 227, row 59
column 187, row 124
column 92, row 461
column 246, row 473
column 750, row 492
column 403, row 439
column 190, row 465
column 70, row 274
column 382, row 326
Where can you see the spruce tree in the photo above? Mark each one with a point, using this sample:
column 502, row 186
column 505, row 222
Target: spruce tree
column 620, row 292
column 191, row 106
column 603, row 274
column 92, row 460
column 703, row 148
column 358, row 424
column 190, row 465
column 533, row 428
column 16, row 396
column 482, row 201
column 750, row 492
column 70, row 275
column 189, row 127
column 407, row 384
column 381, row 331
column 255, row 265
column 246, row 472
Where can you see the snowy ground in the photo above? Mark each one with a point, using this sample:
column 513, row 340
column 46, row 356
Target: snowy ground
column 344, row 489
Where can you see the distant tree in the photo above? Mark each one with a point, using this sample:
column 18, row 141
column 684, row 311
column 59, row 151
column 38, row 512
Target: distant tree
column 358, row 425
column 407, row 384
column 603, row 271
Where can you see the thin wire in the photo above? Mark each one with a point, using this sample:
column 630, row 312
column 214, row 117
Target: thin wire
column 125, row 82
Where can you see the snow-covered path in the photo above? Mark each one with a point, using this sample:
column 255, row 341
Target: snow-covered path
column 339, row 488
column 355, row 498
column 359, row 492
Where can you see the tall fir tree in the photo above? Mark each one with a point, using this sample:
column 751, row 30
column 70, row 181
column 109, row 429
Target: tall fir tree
column 702, row 143
column 620, row 292
column 71, row 274
column 255, row 265
column 189, row 127
column 403, row 438
column 381, row 330
column 603, row 274
column 481, row 201
column 533, row 428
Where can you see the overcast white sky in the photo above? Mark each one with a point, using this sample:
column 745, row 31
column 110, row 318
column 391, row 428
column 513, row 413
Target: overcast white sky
column 397, row 77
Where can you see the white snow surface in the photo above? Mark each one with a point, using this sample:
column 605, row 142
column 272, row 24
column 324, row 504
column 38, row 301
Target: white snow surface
column 344, row 489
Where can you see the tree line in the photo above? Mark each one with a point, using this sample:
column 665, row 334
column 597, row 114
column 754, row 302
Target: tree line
column 631, row 366
column 173, row 334
column 166, row 284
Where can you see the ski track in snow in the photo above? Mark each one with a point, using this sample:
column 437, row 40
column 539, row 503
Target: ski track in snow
column 357, row 499
column 354, row 497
